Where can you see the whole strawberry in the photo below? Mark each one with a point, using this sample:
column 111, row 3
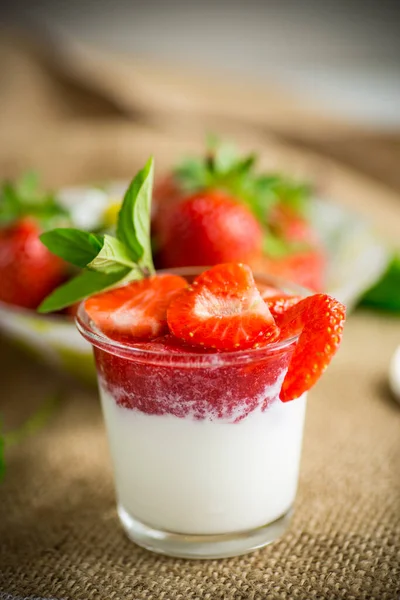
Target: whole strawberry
column 210, row 228
column 217, row 208
column 28, row 271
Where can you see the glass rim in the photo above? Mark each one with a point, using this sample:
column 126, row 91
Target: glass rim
column 100, row 340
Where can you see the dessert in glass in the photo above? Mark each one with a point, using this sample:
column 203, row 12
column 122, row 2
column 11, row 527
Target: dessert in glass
column 203, row 375
column 205, row 455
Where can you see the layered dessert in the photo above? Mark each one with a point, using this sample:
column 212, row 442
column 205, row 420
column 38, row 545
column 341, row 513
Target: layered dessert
column 200, row 441
column 209, row 475
column 203, row 378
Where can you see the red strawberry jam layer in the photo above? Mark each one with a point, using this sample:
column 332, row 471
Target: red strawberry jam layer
column 182, row 385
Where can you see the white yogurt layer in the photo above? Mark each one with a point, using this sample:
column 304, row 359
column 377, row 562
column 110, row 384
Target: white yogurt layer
column 205, row 477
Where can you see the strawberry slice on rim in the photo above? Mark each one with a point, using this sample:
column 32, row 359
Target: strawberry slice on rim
column 222, row 309
column 138, row 309
column 319, row 320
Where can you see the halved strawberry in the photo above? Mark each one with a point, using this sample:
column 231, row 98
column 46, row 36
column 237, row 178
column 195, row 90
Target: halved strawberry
column 319, row 319
column 222, row 309
column 138, row 309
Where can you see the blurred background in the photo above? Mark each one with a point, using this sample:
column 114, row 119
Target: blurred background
column 88, row 91
column 344, row 55
column 316, row 75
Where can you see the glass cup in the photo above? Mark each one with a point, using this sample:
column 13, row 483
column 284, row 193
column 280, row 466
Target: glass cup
column 206, row 457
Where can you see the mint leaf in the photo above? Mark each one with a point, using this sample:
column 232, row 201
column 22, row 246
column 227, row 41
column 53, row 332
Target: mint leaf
column 385, row 294
column 83, row 285
column 2, row 449
column 75, row 246
column 133, row 226
column 107, row 260
column 112, row 256
column 34, row 423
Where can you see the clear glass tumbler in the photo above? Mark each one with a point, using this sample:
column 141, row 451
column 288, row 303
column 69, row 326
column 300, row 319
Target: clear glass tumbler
column 206, row 457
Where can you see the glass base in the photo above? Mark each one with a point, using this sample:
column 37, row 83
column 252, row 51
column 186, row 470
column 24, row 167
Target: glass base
column 201, row 546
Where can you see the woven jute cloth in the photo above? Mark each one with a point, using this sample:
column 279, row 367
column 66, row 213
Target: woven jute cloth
column 83, row 119
column 60, row 536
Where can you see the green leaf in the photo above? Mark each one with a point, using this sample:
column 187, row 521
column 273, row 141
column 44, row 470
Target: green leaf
column 192, row 174
column 28, row 184
column 245, row 165
column 224, row 159
column 275, row 246
column 35, row 422
column 2, row 448
column 112, row 256
column 9, row 204
column 75, row 246
column 385, row 294
column 222, row 168
column 23, row 197
column 133, row 226
column 83, row 285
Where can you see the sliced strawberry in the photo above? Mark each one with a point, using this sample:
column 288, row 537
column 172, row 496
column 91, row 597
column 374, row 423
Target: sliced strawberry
column 319, row 319
column 222, row 309
column 279, row 304
column 137, row 310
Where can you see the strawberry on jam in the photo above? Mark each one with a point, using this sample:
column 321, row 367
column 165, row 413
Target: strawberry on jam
column 222, row 309
column 137, row 310
column 177, row 329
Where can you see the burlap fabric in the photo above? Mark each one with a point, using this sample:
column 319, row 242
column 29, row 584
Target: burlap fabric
column 59, row 534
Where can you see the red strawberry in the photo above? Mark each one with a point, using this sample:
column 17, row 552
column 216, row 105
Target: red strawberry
column 137, row 310
column 72, row 310
column 279, row 304
column 290, row 225
column 28, row 271
column 305, row 268
column 209, row 228
column 319, row 319
column 167, row 194
column 222, row 309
